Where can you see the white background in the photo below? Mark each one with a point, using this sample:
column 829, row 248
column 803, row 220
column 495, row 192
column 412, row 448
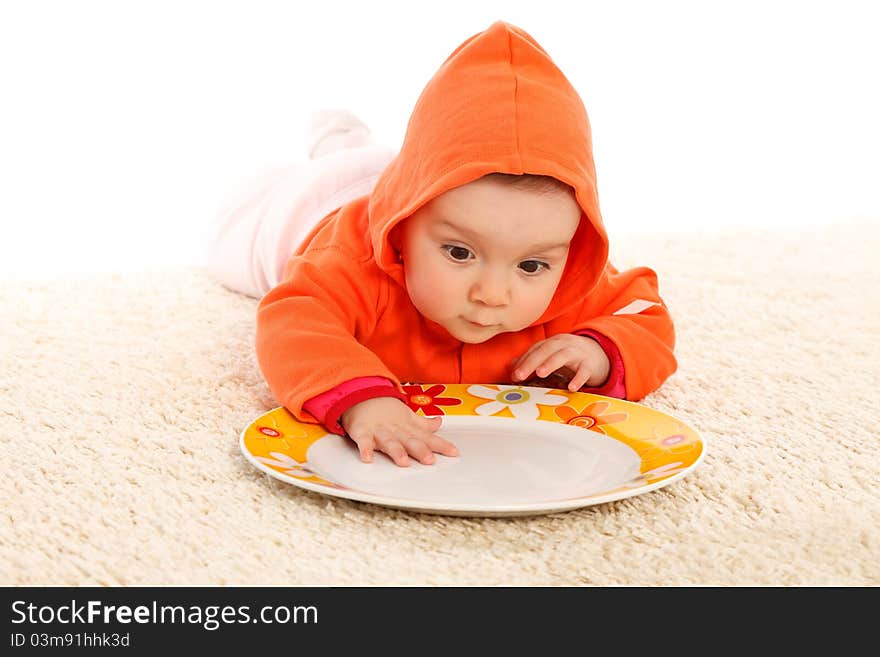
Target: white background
column 125, row 126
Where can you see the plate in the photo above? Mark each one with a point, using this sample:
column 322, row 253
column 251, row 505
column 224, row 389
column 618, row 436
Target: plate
column 522, row 451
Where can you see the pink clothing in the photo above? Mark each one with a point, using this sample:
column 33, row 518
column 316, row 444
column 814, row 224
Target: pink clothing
column 329, row 406
column 614, row 385
column 255, row 236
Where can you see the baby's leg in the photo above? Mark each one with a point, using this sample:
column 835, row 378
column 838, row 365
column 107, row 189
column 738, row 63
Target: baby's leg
column 252, row 240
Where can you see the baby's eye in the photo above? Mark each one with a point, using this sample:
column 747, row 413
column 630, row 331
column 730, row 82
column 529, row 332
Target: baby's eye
column 458, row 253
column 533, row 266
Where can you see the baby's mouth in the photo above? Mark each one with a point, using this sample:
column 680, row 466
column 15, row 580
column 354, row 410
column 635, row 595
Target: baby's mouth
column 480, row 324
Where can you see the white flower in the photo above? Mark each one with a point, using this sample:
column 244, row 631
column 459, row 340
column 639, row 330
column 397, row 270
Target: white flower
column 287, row 465
column 522, row 401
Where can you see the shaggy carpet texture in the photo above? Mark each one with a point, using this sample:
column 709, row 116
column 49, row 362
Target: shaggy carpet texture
column 123, row 397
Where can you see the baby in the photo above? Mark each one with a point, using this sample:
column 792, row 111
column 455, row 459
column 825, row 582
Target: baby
column 476, row 254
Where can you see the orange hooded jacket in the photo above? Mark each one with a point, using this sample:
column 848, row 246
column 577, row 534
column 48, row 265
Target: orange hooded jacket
column 342, row 311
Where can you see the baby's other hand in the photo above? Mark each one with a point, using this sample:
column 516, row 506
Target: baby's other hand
column 387, row 425
column 577, row 359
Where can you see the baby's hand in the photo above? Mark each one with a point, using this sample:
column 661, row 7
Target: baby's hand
column 578, row 358
column 386, row 424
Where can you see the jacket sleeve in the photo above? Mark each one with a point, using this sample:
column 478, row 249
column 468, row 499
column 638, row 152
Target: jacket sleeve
column 626, row 308
column 329, row 406
column 310, row 327
column 614, row 385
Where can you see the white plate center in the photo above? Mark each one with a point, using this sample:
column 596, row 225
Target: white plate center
column 502, row 461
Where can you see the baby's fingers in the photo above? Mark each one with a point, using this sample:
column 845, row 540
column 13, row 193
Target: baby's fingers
column 442, row 446
column 536, row 361
column 580, row 378
column 419, row 450
column 395, row 450
column 433, row 442
column 365, row 447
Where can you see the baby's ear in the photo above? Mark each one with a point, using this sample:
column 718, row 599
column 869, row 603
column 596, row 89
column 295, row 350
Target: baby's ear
column 395, row 239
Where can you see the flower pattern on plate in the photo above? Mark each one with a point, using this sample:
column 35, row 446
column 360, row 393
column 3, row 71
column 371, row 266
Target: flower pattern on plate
column 427, row 400
column 275, row 437
column 521, row 401
column 655, row 474
column 592, row 416
column 286, row 464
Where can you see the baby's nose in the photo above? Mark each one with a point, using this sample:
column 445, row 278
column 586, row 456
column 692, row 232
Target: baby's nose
column 490, row 291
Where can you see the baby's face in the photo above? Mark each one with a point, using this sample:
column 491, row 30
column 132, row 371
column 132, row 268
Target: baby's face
column 485, row 258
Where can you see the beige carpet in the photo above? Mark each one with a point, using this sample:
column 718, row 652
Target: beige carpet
column 123, row 397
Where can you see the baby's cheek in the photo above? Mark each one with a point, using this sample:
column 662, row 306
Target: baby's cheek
column 536, row 303
column 429, row 297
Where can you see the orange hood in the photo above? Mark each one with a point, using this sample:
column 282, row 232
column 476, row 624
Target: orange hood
column 497, row 104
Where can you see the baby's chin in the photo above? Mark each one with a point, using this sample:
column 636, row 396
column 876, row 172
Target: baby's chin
column 470, row 340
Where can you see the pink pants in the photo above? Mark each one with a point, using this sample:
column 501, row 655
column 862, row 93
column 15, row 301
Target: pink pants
column 252, row 239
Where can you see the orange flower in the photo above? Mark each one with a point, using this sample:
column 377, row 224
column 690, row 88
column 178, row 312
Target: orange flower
column 591, row 416
column 427, row 399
